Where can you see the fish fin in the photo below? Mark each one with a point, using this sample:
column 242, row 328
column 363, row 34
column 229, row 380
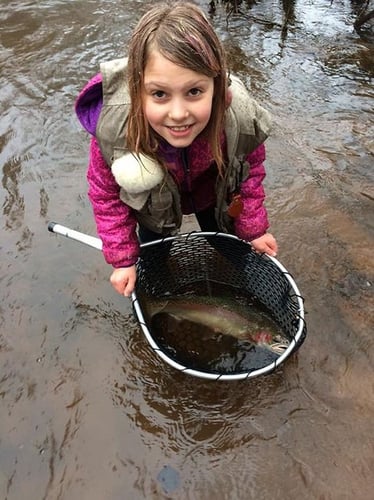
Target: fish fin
column 278, row 347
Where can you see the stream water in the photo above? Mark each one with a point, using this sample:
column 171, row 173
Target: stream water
column 86, row 409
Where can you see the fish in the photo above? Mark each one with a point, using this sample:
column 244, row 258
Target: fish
column 221, row 317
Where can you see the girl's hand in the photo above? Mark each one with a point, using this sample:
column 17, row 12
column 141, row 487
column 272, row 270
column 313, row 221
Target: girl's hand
column 123, row 280
column 265, row 244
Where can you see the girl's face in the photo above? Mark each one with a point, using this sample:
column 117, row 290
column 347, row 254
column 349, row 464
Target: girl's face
column 177, row 102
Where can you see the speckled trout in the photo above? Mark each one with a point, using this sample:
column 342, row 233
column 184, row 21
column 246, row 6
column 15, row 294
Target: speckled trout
column 221, row 317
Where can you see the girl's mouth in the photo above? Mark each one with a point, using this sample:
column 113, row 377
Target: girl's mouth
column 180, row 131
column 179, row 128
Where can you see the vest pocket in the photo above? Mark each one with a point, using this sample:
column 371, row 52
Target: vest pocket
column 158, row 214
column 160, row 200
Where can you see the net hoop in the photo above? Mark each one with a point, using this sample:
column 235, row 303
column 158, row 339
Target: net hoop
column 295, row 342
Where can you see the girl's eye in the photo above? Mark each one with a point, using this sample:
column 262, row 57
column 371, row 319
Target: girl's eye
column 195, row 92
column 158, row 94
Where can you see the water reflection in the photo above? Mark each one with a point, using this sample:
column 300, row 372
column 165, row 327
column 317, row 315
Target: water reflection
column 289, row 19
column 13, row 206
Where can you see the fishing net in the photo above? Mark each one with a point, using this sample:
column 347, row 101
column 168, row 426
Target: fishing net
column 228, row 271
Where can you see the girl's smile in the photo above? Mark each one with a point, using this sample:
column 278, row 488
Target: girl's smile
column 177, row 102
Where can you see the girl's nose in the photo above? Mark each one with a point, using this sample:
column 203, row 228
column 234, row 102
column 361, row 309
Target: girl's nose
column 178, row 110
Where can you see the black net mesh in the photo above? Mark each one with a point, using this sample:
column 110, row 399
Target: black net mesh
column 218, row 265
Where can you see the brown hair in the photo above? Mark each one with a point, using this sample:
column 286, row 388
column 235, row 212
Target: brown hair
column 181, row 33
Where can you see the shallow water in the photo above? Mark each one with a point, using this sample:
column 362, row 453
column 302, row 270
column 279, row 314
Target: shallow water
column 87, row 411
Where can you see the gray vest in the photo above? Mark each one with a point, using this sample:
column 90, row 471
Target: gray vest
column 247, row 125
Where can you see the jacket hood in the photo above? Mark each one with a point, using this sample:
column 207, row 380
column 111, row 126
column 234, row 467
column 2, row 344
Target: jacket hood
column 89, row 103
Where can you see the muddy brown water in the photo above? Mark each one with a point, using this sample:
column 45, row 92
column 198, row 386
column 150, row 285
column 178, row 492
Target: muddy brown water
column 86, row 409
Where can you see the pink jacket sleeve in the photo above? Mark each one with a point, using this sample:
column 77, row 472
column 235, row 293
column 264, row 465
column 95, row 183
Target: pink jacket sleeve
column 253, row 221
column 115, row 222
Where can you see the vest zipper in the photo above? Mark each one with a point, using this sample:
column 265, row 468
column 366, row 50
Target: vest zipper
column 187, row 177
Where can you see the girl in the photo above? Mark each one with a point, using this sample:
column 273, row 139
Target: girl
column 172, row 134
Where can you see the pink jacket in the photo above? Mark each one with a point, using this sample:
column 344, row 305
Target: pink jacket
column 116, row 222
